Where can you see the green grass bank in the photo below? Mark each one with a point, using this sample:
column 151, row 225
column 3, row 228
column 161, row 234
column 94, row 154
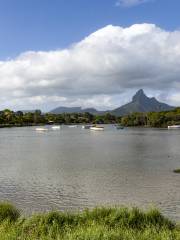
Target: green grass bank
column 99, row 223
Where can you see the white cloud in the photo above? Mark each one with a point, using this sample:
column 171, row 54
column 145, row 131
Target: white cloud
column 97, row 71
column 131, row 3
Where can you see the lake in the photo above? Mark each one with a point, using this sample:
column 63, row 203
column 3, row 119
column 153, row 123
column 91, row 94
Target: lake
column 72, row 168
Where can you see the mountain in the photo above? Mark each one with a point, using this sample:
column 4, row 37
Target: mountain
column 141, row 103
column 60, row 110
column 30, row 111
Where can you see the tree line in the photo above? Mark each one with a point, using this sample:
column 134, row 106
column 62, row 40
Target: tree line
column 19, row 118
column 151, row 119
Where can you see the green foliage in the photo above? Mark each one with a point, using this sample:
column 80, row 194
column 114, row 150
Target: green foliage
column 8, row 212
column 10, row 118
column 176, row 170
column 151, row 119
column 97, row 224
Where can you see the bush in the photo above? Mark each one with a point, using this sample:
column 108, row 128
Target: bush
column 156, row 219
column 8, row 212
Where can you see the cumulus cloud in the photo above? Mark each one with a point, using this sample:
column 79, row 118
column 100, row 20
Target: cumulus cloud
column 97, row 71
column 131, row 3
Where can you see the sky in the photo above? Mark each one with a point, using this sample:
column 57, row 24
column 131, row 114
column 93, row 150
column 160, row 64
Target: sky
column 85, row 53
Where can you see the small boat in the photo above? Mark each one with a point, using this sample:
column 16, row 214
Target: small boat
column 56, row 127
column 97, row 128
column 87, row 126
column 174, row 127
column 72, row 126
column 119, row 127
column 41, row 129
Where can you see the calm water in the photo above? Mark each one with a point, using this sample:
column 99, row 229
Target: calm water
column 71, row 168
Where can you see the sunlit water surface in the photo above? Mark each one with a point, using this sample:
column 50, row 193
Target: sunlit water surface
column 71, row 168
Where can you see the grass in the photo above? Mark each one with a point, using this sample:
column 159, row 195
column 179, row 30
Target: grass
column 96, row 224
column 177, row 170
column 8, row 212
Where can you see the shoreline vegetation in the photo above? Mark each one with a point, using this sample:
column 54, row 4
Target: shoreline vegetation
column 9, row 118
column 97, row 224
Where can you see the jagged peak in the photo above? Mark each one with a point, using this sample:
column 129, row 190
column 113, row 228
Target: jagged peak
column 140, row 95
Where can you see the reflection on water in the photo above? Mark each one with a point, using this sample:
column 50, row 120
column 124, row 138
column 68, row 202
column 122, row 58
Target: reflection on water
column 72, row 168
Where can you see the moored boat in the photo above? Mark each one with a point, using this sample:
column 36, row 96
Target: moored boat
column 56, row 127
column 174, row 127
column 72, row 126
column 87, row 126
column 41, row 129
column 119, row 127
column 97, row 128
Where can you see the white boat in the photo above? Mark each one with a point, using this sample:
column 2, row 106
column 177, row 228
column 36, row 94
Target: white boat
column 56, row 127
column 41, row 129
column 174, row 127
column 97, row 128
column 118, row 127
column 72, row 126
column 87, row 126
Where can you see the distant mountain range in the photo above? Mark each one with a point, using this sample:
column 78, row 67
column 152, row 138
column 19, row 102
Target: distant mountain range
column 140, row 103
column 60, row 110
column 28, row 111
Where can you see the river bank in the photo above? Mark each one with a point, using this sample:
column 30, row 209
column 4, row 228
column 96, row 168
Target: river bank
column 136, row 119
column 99, row 223
column 78, row 124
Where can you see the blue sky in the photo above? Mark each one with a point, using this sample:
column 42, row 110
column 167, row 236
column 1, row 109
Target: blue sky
column 89, row 53
column 53, row 24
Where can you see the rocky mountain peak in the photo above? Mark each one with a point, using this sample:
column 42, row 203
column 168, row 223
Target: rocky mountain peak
column 139, row 96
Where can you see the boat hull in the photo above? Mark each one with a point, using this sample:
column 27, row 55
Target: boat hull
column 87, row 126
column 174, row 127
column 97, row 128
column 41, row 129
column 119, row 127
column 56, row 127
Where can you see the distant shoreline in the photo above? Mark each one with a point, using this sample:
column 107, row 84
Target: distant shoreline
column 78, row 124
column 9, row 118
column 20, row 125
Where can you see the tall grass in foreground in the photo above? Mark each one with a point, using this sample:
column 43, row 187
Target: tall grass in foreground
column 96, row 224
